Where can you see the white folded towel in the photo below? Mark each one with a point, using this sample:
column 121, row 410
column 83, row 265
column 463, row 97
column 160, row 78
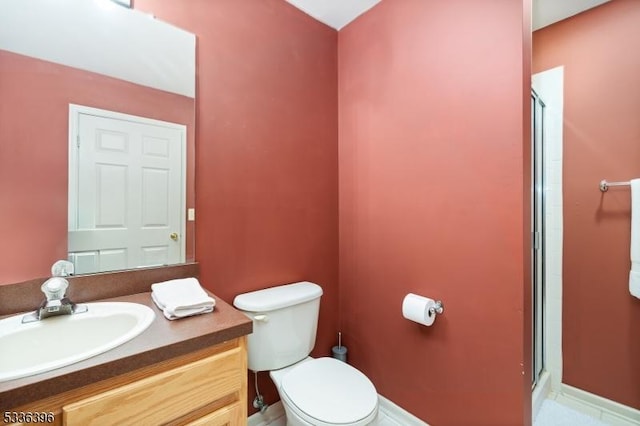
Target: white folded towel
column 181, row 298
column 634, row 274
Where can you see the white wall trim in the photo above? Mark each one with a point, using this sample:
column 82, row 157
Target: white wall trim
column 540, row 393
column 399, row 414
column 608, row 411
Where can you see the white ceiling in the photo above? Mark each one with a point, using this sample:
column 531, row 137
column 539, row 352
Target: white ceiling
column 334, row 13
column 70, row 33
column 338, row 13
column 547, row 12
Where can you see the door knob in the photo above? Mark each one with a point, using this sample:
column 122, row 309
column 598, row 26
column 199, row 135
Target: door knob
column 174, row 236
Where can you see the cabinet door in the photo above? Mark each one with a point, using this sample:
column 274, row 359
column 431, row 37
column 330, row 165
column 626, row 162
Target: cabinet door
column 231, row 415
column 164, row 397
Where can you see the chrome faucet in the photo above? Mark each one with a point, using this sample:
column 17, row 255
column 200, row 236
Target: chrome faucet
column 54, row 290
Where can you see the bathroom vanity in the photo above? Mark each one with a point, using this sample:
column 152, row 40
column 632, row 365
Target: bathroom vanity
column 191, row 371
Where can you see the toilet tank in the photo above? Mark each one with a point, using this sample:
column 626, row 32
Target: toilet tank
column 285, row 320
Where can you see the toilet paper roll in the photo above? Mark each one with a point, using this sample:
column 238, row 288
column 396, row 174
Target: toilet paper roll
column 416, row 308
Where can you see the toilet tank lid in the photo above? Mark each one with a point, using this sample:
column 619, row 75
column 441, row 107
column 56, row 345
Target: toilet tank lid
column 278, row 297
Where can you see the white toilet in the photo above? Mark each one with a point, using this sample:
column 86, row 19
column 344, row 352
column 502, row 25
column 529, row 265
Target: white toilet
column 318, row 392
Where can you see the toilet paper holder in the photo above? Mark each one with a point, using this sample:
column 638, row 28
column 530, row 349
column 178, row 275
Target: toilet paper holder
column 437, row 309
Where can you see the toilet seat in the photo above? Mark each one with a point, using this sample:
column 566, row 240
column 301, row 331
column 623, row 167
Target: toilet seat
column 326, row 391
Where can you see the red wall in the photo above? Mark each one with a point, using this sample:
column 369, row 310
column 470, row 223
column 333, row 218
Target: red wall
column 267, row 159
column 601, row 321
column 431, row 171
column 432, row 164
column 34, row 118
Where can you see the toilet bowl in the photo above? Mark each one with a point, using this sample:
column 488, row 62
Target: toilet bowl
column 314, row 392
column 326, row 392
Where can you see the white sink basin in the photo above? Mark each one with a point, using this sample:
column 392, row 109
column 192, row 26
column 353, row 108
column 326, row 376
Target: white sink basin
column 36, row 347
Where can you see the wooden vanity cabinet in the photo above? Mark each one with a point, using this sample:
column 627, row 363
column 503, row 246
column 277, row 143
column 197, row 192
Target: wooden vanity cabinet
column 208, row 387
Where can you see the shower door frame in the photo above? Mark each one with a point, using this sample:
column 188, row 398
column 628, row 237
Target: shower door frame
column 537, row 237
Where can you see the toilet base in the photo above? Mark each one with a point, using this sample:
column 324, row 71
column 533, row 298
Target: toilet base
column 294, row 418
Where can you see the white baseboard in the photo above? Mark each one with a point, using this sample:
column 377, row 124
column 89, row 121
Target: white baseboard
column 398, row 414
column 608, row 411
column 540, row 393
column 274, row 415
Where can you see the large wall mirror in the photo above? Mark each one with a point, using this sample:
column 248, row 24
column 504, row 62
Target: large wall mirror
column 97, row 124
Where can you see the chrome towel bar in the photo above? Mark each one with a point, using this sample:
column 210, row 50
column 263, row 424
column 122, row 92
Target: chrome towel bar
column 604, row 185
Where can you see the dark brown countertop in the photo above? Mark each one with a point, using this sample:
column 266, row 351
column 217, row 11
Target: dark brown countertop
column 163, row 340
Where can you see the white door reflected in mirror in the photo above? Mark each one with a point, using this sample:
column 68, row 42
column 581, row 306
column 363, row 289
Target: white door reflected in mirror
column 126, row 191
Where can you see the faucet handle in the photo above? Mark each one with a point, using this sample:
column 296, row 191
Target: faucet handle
column 54, row 288
column 62, row 268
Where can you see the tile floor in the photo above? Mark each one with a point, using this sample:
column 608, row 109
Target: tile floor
column 553, row 413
